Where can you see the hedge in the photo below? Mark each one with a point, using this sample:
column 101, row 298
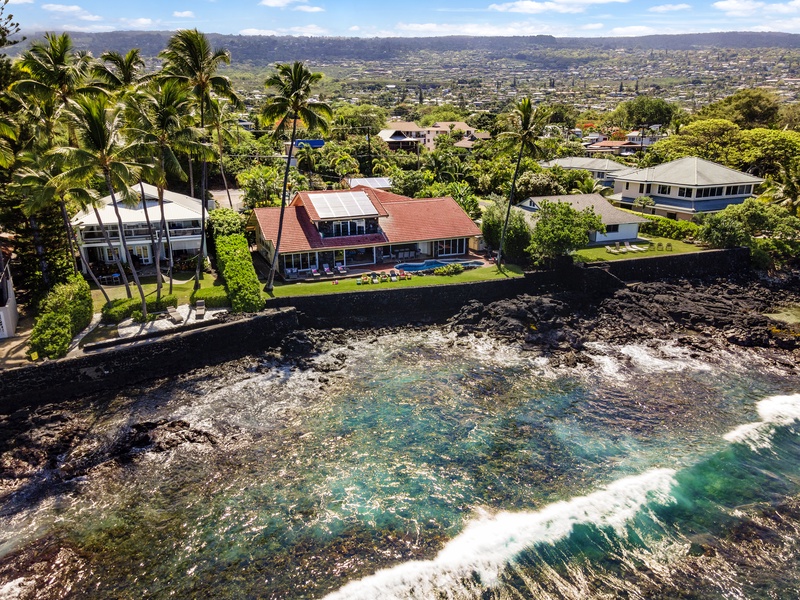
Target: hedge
column 668, row 228
column 215, row 297
column 117, row 310
column 63, row 314
column 236, row 267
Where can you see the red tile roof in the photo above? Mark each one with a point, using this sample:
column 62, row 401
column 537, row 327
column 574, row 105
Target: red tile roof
column 425, row 219
column 407, row 220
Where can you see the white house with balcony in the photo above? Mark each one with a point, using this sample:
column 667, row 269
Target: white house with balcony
column 682, row 188
column 182, row 214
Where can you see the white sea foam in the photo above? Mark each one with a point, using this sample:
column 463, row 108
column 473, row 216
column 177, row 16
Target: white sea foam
column 774, row 411
column 489, row 543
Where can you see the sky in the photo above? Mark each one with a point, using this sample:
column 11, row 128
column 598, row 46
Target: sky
column 410, row 18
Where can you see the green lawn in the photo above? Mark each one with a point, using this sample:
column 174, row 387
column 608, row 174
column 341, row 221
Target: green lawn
column 326, row 286
column 600, row 253
column 182, row 287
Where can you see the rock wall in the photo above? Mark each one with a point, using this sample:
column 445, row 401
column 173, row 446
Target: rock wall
column 712, row 263
column 117, row 368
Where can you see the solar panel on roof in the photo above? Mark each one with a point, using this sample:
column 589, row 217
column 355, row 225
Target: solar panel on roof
column 342, row 205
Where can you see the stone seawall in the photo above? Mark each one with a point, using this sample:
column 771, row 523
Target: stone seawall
column 374, row 307
column 115, row 369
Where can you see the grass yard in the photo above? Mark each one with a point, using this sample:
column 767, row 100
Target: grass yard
column 182, row 288
column 600, row 253
column 326, row 286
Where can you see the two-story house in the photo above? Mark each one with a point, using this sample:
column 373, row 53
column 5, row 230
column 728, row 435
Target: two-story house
column 183, row 221
column 682, row 188
column 403, row 135
column 361, row 227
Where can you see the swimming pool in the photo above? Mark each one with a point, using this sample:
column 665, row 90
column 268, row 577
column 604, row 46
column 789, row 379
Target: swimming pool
column 433, row 264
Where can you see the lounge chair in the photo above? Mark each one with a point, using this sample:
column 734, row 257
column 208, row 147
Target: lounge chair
column 668, row 246
column 364, row 279
column 327, row 269
column 401, row 274
column 659, row 246
column 393, row 275
column 315, row 272
column 340, row 269
column 611, row 250
column 384, row 278
column 374, row 277
column 632, row 248
column 200, row 309
column 174, row 315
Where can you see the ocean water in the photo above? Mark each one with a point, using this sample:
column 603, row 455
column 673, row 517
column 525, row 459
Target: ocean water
column 429, row 466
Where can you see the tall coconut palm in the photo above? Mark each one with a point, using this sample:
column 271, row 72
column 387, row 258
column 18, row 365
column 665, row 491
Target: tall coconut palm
column 120, row 71
column 221, row 122
column 527, row 123
column 35, row 179
column 103, row 152
column 53, row 67
column 292, row 101
column 159, row 116
column 190, row 58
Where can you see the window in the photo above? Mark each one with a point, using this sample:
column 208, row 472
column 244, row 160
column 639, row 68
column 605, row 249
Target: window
column 648, row 188
column 664, row 190
column 612, row 228
column 685, row 192
column 601, row 175
column 627, row 185
column 673, row 216
column 452, row 247
column 738, row 190
column 709, row 192
column 641, row 188
column 346, row 228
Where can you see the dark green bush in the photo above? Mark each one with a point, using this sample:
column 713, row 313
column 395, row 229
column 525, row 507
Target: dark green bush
column 51, row 335
column 668, row 228
column 236, row 267
column 117, row 310
column 451, row 269
column 215, row 297
column 63, row 314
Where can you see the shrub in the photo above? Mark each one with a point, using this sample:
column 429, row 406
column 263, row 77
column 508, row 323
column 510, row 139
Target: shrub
column 236, row 267
column 51, row 335
column 668, row 228
column 117, row 310
column 451, row 269
column 63, row 313
column 215, row 297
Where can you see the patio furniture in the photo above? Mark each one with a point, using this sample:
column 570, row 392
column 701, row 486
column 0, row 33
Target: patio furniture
column 384, row 278
column 611, row 250
column 327, row 269
column 632, row 248
column 174, row 315
column 393, row 275
column 659, row 246
column 374, row 277
column 402, row 274
column 668, row 246
column 315, row 272
column 200, row 309
column 365, row 278
column 340, row 269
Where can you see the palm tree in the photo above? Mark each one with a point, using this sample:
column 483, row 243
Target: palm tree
column 590, row 186
column 190, row 58
column 291, row 102
column 39, row 188
column 121, row 71
column 158, row 117
column 784, row 189
column 103, row 152
column 54, row 68
column 527, row 124
column 221, row 120
column 306, row 159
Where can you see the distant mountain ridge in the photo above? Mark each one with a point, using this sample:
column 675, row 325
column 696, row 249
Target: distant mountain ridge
column 270, row 49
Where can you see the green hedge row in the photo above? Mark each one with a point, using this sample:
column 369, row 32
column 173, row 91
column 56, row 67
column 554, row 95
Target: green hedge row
column 236, row 267
column 63, row 314
column 668, row 228
column 215, row 297
column 120, row 309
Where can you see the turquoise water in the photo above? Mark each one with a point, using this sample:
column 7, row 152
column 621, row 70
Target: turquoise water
column 433, row 264
column 431, row 466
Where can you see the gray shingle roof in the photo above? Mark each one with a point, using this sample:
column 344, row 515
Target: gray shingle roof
column 689, row 171
column 584, row 162
column 609, row 214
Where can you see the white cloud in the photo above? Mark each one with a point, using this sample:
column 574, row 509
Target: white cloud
column 88, row 28
column 20, row 1
column 258, row 32
column 663, row 8
column 64, row 8
column 140, row 22
column 309, row 9
column 355, row 28
column 183, row 14
column 476, row 29
column 633, row 30
column 90, row 18
column 556, row 6
column 278, row 3
column 307, row 30
column 739, row 8
column 591, row 26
